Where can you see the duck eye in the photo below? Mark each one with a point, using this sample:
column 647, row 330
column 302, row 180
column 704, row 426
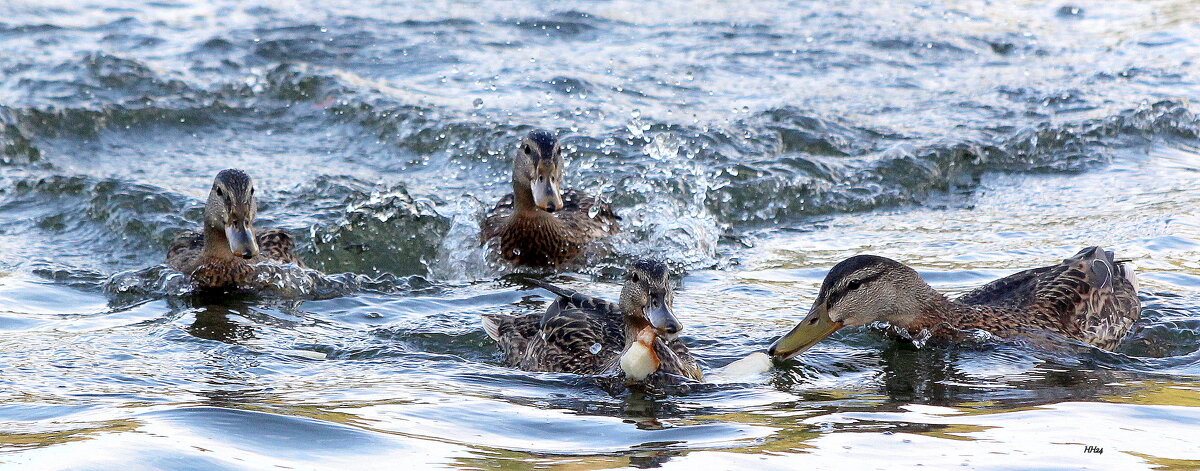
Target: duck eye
column 219, row 192
column 634, row 278
column 525, row 148
column 853, row 285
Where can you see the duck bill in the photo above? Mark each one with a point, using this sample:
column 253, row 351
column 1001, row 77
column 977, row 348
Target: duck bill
column 241, row 240
column 546, row 195
column 663, row 320
column 815, row 327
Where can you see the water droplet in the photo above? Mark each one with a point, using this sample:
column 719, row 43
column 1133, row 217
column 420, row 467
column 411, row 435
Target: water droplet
column 595, row 348
column 477, row 103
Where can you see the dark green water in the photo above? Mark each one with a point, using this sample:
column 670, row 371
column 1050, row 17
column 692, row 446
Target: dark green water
column 753, row 145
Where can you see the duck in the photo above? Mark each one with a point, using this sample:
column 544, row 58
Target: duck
column 1090, row 297
column 224, row 253
column 637, row 337
column 539, row 224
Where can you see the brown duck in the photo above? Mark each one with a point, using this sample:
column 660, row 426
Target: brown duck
column 224, row 253
column 584, row 335
column 1089, row 297
column 539, row 224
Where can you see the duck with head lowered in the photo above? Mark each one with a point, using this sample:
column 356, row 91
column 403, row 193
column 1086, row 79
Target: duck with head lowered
column 580, row 334
column 1090, row 298
column 224, row 253
column 539, row 224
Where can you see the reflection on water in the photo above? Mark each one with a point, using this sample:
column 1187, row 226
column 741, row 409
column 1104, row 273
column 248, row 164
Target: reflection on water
column 753, row 147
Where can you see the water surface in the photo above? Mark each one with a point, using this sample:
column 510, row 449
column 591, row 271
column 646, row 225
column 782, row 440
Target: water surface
column 753, row 146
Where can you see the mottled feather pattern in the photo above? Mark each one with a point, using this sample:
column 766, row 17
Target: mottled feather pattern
column 277, row 246
column 564, row 342
column 186, row 254
column 549, row 239
column 568, row 343
column 513, row 333
column 676, row 359
column 581, row 335
column 185, row 249
column 1088, row 297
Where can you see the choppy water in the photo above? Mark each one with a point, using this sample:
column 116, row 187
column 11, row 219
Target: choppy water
column 754, row 145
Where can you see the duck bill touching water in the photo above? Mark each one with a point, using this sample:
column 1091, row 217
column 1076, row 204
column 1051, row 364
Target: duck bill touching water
column 580, row 334
column 539, row 224
column 223, row 253
column 1089, row 297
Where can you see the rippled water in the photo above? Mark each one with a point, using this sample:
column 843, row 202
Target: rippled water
column 753, row 145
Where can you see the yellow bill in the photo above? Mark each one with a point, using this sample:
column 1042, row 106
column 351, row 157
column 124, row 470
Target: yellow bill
column 816, row 326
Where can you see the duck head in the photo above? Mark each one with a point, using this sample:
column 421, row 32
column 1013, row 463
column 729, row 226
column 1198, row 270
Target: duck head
column 537, row 172
column 646, row 299
column 856, row 292
column 229, row 214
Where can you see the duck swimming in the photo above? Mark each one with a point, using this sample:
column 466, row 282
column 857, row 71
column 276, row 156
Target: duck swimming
column 539, row 224
column 584, row 335
column 223, row 254
column 1089, row 297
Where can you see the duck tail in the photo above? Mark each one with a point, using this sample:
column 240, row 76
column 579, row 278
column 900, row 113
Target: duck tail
column 1105, row 267
column 1125, row 268
column 491, row 325
column 563, row 292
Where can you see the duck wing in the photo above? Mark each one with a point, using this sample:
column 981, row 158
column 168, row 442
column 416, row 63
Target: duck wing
column 278, row 246
column 575, row 341
column 185, row 250
column 568, row 298
column 587, row 215
column 494, row 221
column 1090, row 297
column 1011, row 291
column 512, row 333
column 676, row 359
column 576, row 334
column 1095, row 297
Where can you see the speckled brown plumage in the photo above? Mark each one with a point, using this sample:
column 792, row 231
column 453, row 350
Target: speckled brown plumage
column 539, row 238
column 581, row 334
column 538, row 224
column 186, row 254
column 1090, row 297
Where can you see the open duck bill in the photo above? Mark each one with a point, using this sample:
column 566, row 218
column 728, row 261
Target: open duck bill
column 241, row 240
column 816, row 326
